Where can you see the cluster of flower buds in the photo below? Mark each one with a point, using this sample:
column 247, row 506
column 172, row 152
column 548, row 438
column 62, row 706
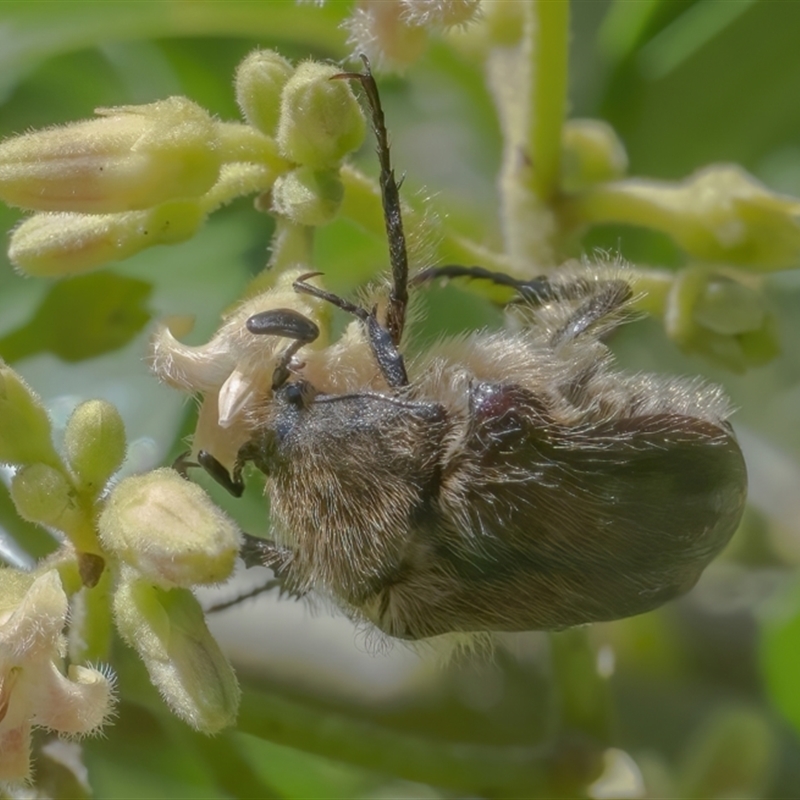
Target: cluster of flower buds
column 131, row 550
column 721, row 217
column 137, row 176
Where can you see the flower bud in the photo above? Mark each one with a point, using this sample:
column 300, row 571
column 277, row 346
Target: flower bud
column 54, row 245
column 308, row 196
column 169, row 530
column 260, row 79
column 24, row 425
column 42, row 494
column 320, row 120
column 184, row 661
column 592, row 153
column 94, row 443
column 132, row 157
column 721, row 318
column 719, row 214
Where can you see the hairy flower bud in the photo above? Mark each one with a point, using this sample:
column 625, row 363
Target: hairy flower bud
column 260, row 79
column 320, row 119
column 132, row 157
column 54, row 245
column 169, row 530
column 721, row 318
column 41, row 494
column 94, row 443
column 308, row 196
column 719, row 214
column 24, row 424
column 183, row 659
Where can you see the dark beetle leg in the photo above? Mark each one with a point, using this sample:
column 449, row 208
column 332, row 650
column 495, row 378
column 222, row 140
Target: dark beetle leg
column 603, row 296
column 536, row 290
column 233, row 483
column 390, row 196
column 257, row 552
column 389, row 358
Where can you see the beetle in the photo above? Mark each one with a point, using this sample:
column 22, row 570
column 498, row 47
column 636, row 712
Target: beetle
column 500, row 481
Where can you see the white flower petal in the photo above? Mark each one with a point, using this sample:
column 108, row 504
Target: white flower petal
column 78, row 704
column 34, row 628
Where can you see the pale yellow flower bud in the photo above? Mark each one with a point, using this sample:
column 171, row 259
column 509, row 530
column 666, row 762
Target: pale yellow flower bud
column 42, row 494
column 53, row 245
column 320, row 121
column 132, row 157
column 94, row 443
column 183, row 659
column 260, row 79
column 718, row 214
column 169, row 530
column 592, row 152
column 24, row 424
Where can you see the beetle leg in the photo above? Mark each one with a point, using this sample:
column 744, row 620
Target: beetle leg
column 257, row 552
column 384, row 348
column 610, row 296
column 536, row 290
column 390, row 197
column 233, row 483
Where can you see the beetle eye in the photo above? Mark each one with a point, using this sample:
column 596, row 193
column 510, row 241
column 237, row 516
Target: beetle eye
column 300, row 394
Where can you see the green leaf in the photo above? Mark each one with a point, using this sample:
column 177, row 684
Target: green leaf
column 780, row 656
column 81, row 318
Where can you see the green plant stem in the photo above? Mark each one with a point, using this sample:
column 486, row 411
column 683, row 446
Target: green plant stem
column 528, row 81
column 236, row 180
column 631, row 202
column 485, row 770
column 91, row 641
column 240, row 142
column 547, row 101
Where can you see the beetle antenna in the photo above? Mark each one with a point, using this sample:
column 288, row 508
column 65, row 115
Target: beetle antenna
column 390, row 197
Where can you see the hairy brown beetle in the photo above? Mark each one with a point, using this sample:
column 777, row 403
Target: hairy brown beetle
column 501, row 481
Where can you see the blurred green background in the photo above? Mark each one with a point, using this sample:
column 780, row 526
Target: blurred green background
column 702, row 695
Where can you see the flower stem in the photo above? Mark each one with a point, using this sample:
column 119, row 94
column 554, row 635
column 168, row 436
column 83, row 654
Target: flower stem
column 547, row 771
column 548, row 93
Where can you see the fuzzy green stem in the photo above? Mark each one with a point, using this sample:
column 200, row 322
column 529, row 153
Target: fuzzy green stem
column 90, row 638
column 239, row 142
column 617, row 202
column 528, row 81
column 548, row 94
column 489, row 771
column 237, row 180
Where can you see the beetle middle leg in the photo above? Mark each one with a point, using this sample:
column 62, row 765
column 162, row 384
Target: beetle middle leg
column 389, row 359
